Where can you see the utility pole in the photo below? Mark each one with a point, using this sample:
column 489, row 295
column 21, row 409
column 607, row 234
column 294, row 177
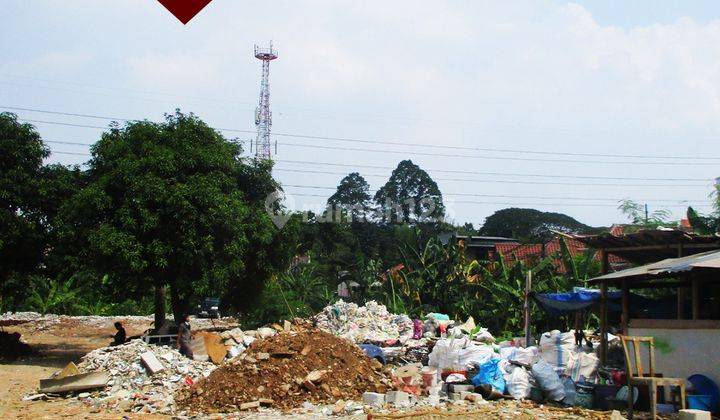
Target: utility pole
column 646, row 213
column 528, row 287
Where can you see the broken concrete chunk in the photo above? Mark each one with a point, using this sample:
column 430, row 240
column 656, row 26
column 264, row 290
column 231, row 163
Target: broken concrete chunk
column 373, row 399
column 74, row 383
column 398, row 398
column 151, row 362
column 315, row 375
column 249, row 405
column 69, row 370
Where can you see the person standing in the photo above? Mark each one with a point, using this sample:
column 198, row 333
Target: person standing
column 185, row 337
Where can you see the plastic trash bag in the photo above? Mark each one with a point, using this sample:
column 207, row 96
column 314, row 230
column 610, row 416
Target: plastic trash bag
column 491, row 373
column 446, row 354
column 548, row 380
column 482, row 335
column 518, row 383
column 525, row 356
column 569, row 387
column 558, row 348
column 474, row 355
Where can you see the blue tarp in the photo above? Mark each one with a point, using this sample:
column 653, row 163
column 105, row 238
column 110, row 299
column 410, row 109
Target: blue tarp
column 579, row 299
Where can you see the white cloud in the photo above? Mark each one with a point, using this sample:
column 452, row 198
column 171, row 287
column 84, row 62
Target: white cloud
column 180, row 72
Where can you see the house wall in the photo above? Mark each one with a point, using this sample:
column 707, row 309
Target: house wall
column 680, row 353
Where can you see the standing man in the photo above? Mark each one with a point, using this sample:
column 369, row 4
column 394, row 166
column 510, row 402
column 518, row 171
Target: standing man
column 184, row 337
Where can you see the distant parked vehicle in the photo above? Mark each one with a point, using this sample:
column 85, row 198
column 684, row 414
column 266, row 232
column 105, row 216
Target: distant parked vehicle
column 209, row 308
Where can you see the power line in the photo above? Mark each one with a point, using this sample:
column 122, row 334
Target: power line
column 511, row 196
column 453, row 171
column 351, row 149
column 496, row 181
column 496, row 203
column 396, row 143
column 494, row 173
column 312, row 114
column 448, row 179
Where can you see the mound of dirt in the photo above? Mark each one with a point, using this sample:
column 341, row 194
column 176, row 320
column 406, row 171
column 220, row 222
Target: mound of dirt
column 12, row 346
column 286, row 370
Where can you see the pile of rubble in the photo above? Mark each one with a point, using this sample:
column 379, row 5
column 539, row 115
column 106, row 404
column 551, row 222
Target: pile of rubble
column 286, row 371
column 143, row 377
column 360, row 324
column 42, row 322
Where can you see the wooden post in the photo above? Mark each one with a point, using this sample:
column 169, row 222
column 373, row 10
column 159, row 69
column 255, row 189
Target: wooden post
column 603, row 307
column 681, row 293
column 625, row 306
column 695, row 298
column 528, row 287
column 680, row 290
column 603, row 322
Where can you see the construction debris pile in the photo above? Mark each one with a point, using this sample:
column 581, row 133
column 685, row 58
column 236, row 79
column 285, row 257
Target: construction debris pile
column 286, row 371
column 143, row 377
column 360, row 324
column 43, row 322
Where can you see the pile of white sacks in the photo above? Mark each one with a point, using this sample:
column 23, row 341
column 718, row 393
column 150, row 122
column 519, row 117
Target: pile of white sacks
column 548, row 366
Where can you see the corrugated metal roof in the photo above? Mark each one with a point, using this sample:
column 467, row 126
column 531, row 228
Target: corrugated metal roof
column 665, row 268
column 648, row 246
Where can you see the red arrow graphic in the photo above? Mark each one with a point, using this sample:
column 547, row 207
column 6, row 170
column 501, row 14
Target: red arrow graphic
column 184, row 10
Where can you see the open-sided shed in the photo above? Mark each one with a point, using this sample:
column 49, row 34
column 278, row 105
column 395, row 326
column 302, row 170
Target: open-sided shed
column 689, row 341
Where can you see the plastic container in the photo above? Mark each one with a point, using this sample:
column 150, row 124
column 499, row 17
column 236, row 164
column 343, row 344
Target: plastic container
column 702, row 385
column 700, row 402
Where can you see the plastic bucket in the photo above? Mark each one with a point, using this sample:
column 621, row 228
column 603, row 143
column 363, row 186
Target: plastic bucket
column 700, row 402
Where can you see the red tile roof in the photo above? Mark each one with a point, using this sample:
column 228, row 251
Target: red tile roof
column 530, row 253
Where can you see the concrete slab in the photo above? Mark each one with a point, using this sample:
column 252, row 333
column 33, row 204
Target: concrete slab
column 151, row 362
column 80, row 382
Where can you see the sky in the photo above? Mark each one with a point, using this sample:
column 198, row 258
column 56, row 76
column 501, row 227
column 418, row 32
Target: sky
column 555, row 105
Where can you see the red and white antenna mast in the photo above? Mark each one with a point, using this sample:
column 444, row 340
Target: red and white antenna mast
column 263, row 116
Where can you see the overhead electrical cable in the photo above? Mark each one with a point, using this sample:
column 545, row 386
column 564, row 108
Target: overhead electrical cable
column 397, row 143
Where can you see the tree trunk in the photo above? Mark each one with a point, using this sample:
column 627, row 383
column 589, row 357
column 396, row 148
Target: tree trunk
column 179, row 307
column 159, row 306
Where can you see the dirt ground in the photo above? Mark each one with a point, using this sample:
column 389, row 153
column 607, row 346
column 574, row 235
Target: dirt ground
column 57, row 344
column 67, row 339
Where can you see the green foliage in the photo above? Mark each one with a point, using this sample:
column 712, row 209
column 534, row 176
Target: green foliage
column 22, row 237
column 701, row 224
column 173, row 204
column 352, row 195
column 409, row 196
column 53, row 296
column 530, row 225
column 643, row 219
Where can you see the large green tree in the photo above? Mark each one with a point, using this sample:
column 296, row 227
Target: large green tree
column 22, row 242
column 352, row 196
column 530, row 225
column 173, row 205
column 410, row 196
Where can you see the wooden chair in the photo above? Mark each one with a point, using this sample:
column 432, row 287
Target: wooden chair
column 637, row 376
